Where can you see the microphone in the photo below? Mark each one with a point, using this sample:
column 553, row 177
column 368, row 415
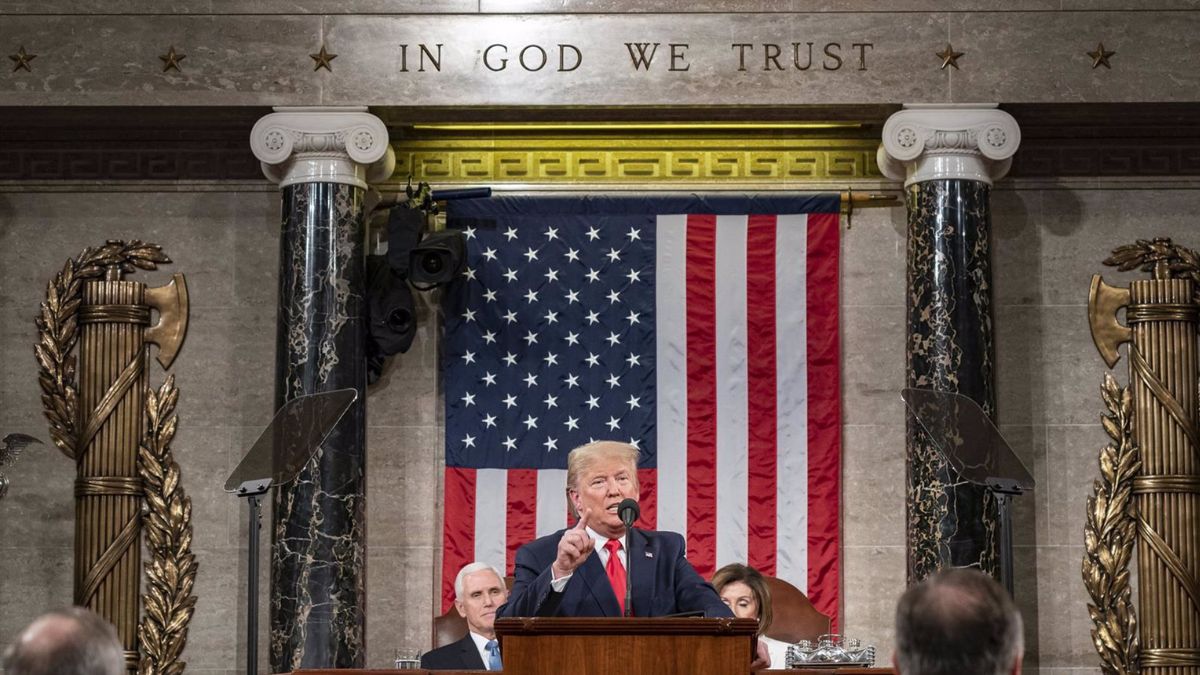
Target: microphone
column 628, row 511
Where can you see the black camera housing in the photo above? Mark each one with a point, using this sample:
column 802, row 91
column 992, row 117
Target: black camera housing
column 438, row 259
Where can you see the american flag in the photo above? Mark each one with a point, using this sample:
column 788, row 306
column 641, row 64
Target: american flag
column 702, row 329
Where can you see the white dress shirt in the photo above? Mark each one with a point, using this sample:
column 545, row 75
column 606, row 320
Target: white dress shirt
column 560, row 583
column 481, row 647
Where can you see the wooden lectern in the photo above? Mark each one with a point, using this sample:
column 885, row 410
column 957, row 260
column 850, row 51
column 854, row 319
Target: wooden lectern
column 630, row 646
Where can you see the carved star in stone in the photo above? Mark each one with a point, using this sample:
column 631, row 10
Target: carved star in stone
column 171, row 60
column 949, row 57
column 22, row 59
column 1100, row 56
column 322, row 59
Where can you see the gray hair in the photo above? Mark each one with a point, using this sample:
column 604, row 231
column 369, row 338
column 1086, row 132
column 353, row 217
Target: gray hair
column 471, row 569
column 957, row 622
column 74, row 641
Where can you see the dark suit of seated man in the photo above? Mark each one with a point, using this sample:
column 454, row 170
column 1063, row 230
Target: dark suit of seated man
column 558, row 575
column 478, row 591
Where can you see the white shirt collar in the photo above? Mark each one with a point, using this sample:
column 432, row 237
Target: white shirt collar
column 480, row 646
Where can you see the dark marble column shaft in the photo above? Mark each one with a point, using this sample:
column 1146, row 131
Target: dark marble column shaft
column 318, row 557
column 950, row 523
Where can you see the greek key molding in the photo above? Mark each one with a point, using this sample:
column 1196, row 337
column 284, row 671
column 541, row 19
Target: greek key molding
column 322, row 145
column 633, row 160
column 969, row 142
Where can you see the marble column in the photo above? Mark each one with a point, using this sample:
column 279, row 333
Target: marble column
column 948, row 157
column 322, row 159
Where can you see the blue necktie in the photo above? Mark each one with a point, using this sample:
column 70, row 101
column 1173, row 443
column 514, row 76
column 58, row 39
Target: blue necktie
column 493, row 649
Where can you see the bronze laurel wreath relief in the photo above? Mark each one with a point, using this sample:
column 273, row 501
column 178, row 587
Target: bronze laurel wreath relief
column 153, row 476
column 1109, row 537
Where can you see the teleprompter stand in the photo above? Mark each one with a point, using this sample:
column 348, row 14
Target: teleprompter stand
column 276, row 458
column 973, row 446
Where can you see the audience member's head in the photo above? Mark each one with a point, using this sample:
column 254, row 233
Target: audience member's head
column 958, row 622
column 73, row 641
column 479, row 590
column 745, row 590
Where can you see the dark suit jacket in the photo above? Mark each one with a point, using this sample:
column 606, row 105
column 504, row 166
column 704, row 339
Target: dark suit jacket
column 664, row 582
column 461, row 655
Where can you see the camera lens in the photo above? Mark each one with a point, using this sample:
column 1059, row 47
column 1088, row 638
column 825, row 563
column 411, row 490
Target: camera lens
column 433, row 264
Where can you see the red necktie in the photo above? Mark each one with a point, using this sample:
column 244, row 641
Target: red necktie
column 616, row 572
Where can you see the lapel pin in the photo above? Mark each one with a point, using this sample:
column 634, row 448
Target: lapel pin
column 649, row 554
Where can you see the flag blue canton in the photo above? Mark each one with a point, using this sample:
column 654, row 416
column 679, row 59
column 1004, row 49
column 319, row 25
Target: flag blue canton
column 550, row 340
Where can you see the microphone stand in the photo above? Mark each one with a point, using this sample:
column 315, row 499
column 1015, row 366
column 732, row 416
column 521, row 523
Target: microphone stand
column 628, row 511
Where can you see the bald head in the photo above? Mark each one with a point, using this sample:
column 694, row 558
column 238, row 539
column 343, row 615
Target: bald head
column 958, row 622
column 72, row 641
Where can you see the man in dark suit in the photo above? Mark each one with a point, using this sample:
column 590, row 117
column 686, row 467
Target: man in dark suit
column 581, row 571
column 478, row 591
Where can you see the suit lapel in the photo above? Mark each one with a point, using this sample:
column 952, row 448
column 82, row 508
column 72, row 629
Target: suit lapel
column 470, row 654
column 643, row 565
column 596, row 580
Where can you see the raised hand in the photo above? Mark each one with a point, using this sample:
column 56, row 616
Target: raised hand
column 574, row 548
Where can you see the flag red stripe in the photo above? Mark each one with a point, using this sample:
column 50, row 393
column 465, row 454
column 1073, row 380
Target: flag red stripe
column 762, row 448
column 648, row 499
column 701, row 312
column 521, row 524
column 824, row 414
column 458, row 529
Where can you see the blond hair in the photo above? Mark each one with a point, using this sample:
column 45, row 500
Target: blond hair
column 585, row 456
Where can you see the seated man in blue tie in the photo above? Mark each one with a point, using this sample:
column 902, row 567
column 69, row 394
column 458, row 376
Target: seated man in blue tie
column 478, row 591
column 581, row 571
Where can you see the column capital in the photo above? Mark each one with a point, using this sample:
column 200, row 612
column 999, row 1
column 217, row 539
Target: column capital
column 948, row 141
column 323, row 145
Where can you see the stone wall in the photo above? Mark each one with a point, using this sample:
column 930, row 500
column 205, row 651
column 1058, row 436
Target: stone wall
column 1048, row 239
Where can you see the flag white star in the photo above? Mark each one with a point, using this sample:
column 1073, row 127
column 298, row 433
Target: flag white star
column 613, row 339
column 613, row 255
column 510, row 443
column 530, row 254
column 489, row 253
column 634, row 442
column 551, row 401
column 468, row 399
column 510, row 316
column 613, row 381
column 551, row 233
column 572, row 297
column 511, row 233
column 593, row 275
column 489, row 421
column 634, row 233
column 572, row 381
column 632, row 318
column 489, row 337
column 633, row 360
column 531, row 296
column 552, row 317
column 633, row 276
column 469, row 441
column 572, row 423
column 510, row 274
column 469, row 357
column 572, row 338
column 592, row 360
column 469, row 315
column 572, row 255
column 531, row 380
column 551, row 444
column 593, row 402
column 551, row 359
column 510, row 358
column 530, row 422
column 489, row 295
column 489, row 379
column 469, row 233
column 613, row 424
column 551, row 275
column 593, row 234
column 530, row 338
column 510, row 401
column 593, row 317
column 633, row 402
column 613, row 296
column 469, row 273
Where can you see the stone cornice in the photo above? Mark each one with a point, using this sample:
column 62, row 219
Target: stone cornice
column 323, row 145
column 964, row 142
